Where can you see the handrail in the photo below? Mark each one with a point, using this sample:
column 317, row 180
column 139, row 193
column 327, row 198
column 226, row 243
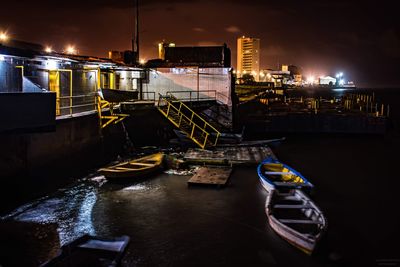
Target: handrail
column 212, row 127
column 190, row 121
column 82, row 105
column 190, row 92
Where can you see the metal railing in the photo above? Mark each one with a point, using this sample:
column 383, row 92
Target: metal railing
column 149, row 94
column 199, row 130
column 190, row 96
column 70, row 105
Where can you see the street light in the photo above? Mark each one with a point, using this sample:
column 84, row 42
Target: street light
column 70, row 50
column 48, row 49
column 3, row 36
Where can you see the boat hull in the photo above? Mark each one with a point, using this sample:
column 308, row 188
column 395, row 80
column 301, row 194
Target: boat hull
column 271, row 185
column 136, row 168
column 111, row 175
column 116, row 96
column 304, row 242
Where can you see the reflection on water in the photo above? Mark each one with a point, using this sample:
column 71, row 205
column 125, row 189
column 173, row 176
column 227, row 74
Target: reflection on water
column 138, row 187
column 70, row 208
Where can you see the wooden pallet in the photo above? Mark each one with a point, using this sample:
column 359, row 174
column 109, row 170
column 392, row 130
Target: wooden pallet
column 206, row 175
column 228, row 155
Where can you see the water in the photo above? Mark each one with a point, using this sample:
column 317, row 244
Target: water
column 356, row 185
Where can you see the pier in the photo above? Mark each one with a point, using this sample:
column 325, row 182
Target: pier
column 166, row 161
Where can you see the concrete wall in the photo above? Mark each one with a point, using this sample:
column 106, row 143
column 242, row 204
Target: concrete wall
column 75, row 143
column 187, row 79
column 27, row 111
column 10, row 78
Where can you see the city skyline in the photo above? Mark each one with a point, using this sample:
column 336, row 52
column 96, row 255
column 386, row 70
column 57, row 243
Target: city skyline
column 322, row 37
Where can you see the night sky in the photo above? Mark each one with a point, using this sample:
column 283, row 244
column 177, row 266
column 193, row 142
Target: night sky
column 360, row 38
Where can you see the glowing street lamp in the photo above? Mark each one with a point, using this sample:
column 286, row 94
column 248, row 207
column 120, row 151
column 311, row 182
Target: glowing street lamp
column 142, row 61
column 70, row 50
column 339, row 75
column 48, row 49
column 3, row 36
column 310, row 80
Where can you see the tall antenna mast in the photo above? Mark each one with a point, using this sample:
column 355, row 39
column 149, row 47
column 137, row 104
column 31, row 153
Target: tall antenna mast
column 135, row 40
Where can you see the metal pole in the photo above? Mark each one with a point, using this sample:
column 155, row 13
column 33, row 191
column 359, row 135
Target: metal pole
column 137, row 30
column 198, row 83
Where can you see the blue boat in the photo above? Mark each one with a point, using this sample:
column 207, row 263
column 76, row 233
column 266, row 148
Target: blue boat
column 277, row 175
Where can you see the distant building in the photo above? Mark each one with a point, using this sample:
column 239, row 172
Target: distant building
column 161, row 49
column 278, row 77
column 126, row 57
column 117, row 56
column 327, row 80
column 297, row 79
column 248, row 56
column 192, row 56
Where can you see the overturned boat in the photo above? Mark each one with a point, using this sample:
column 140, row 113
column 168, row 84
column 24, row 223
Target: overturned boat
column 274, row 174
column 296, row 218
column 91, row 251
column 116, row 96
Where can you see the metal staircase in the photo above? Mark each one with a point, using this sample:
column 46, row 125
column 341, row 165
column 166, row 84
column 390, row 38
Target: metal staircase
column 112, row 117
column 188, row 121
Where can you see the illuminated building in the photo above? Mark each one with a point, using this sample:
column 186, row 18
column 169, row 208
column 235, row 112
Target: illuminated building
column 248, row 56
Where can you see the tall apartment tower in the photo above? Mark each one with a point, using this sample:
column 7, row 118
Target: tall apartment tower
column 248, row 56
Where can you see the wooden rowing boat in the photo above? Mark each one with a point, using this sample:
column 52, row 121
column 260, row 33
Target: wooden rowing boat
column 134, row 168
column 296, row 218
column 276, row 175
column 91, row 251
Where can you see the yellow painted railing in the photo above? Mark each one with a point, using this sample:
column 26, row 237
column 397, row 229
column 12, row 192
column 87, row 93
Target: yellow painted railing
column 188, row 121
column 105, row 120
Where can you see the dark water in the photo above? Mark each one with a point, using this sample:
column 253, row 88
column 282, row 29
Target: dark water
column 356, row 185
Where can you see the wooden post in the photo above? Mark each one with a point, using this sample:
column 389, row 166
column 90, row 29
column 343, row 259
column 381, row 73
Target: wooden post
column 382, row 109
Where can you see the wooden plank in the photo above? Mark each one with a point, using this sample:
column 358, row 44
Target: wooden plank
column 298, row 221
column 141, row 164
column 211, row 176
column 282, row 206
column 278, row 173
column 229, row 155
column 295, row 185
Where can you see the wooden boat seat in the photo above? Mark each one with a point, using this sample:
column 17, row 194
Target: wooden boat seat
column 295, row 185
column 279, row 173
column 123, row 169
column 283, row 206
column 141, row 164
column 289, row 221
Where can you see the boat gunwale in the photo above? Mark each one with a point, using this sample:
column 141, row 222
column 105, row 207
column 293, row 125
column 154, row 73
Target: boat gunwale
column 281, row 228
column 272, row 160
